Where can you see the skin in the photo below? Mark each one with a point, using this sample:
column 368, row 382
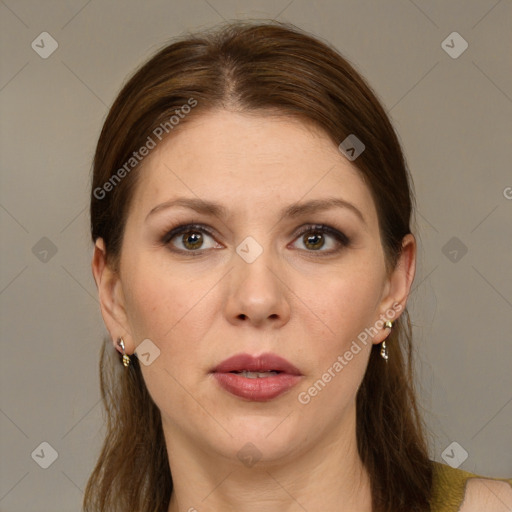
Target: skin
column 485, row 494
column 294, row 300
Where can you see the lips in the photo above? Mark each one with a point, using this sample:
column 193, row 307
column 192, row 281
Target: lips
column 259, row 385
column 263, row 363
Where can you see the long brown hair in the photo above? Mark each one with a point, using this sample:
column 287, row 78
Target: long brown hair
column 250, row 66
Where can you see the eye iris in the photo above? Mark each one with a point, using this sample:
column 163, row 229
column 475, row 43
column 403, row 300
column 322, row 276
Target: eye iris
column 192, row 239
column 316, row 240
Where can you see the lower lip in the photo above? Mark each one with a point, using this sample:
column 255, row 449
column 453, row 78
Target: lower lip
column 259, row 389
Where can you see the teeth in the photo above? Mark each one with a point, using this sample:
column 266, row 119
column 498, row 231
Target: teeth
column 257, row 375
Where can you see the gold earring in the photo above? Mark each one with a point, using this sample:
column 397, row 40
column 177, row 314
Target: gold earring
column 384, row 349
column 126, row 358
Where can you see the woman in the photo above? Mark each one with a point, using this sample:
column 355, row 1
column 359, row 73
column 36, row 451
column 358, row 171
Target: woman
column 251, row 213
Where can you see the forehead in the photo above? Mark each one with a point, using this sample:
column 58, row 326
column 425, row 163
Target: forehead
column 248, row 161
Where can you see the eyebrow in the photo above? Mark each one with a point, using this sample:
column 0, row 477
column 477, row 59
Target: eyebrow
column 292, row 211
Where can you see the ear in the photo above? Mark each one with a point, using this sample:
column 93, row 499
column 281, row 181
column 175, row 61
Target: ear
column 112, row 303
column 397, row 288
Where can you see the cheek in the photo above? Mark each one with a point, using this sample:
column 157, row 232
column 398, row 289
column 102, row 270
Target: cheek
column 345, row 302
column 161, row 300
column 170, row 310
column 339, row 350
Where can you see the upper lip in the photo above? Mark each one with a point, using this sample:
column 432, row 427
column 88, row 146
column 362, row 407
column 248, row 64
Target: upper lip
column 262, row 363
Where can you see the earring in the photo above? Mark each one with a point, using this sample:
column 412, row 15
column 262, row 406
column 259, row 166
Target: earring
column 126, row 358
column 384, row 349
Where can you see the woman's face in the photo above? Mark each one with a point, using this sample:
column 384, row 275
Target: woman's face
column 248, row 281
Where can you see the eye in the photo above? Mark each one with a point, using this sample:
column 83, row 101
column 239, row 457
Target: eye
column 192, row 238
column 314, row 238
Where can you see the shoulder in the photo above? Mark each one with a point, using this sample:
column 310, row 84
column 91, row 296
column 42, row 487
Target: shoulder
column 487, row 494
column 456, row 490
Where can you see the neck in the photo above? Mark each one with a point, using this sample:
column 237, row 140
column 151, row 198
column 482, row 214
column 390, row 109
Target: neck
column 328, row 476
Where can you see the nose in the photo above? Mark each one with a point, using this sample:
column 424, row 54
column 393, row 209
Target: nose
column 258, row 293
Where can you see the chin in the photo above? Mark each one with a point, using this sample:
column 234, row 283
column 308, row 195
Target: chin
column 270, row 439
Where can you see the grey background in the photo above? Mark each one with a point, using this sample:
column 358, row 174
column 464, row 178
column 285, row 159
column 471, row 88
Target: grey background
column 453, row 117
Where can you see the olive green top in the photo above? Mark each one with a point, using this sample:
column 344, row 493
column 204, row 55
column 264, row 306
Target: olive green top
column 449, row 486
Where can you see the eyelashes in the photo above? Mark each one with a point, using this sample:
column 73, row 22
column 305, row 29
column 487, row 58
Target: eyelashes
column 316, row 238
column 341, row 239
